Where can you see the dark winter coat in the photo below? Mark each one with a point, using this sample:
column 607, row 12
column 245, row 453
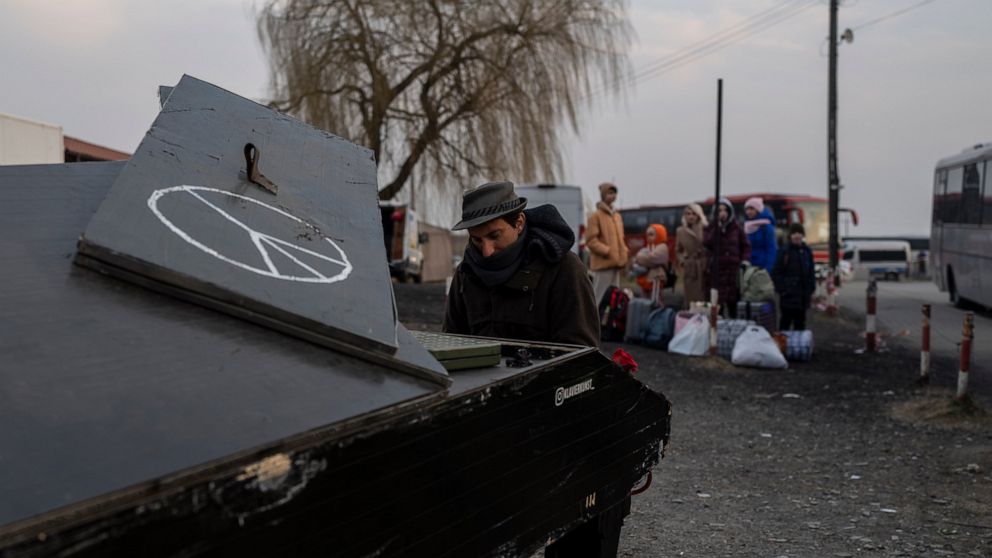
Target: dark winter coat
column 764, row 246
column 734, row 248
column 549, row 298
column 795, row 276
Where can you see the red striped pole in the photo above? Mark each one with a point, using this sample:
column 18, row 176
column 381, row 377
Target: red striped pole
column 967, row 334
column 871, row 336
column 831, row 293
column 925, row 346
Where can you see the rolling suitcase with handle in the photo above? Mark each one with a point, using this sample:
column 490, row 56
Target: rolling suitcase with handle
column 638, row 310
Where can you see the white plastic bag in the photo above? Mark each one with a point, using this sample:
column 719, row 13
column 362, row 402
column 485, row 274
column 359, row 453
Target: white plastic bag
column 693, row 339
column 755, row 347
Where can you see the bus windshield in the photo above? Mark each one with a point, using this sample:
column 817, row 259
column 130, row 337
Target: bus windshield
column 816, row 221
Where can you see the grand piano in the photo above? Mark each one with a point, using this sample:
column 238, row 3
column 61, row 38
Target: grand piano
column 200, row 356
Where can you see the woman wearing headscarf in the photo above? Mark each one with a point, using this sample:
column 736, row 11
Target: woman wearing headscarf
column 734, row 249
column 759, row 226
column 654, row 258
column 691, row 254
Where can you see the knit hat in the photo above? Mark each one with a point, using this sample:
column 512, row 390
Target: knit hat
column 797, row 228
column 605, row 187
column 660, row 233
column 756, row 203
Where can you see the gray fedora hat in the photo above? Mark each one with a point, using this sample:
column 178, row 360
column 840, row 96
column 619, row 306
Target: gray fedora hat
column 487, row 202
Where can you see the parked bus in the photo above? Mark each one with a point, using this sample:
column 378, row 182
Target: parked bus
column 571, row 203
column 878, row 258
column 637, row 219
column 811, row 211
column 919, row 251
column 961, row 230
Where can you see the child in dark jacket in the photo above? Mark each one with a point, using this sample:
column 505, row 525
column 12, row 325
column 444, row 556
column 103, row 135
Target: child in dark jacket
column 795, row 279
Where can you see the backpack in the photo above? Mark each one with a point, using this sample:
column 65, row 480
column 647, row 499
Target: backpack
column 756, row 285
column 660, row 328
column 613, row 314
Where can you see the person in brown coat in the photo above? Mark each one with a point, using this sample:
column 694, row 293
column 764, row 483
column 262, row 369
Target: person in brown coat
column 691, row 254
column 605, row 242
column 519, row 279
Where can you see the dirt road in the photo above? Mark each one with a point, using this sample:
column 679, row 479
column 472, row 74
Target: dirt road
column 837, row 457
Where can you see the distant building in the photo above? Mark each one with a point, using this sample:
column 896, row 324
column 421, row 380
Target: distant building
column 29, row 142
column 79, row 151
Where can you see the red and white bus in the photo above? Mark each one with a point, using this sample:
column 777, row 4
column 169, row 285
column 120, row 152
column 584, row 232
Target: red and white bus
column 811, row 211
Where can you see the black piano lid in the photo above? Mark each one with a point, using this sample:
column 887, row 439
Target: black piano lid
column 106, row 385
column 307, row 259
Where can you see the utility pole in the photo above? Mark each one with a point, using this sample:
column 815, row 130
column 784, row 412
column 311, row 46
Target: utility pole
column 833, row 179
column 715, row 269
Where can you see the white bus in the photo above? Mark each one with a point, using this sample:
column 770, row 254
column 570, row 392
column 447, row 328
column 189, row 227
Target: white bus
column 961, row 232
column 570, row 202
column 877, row 258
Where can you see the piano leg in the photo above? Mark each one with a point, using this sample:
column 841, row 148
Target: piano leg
column 597, row 538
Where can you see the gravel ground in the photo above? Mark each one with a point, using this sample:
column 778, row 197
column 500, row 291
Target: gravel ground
column 841, row 456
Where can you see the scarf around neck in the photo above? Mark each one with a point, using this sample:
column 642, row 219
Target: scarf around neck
column 754, row 224
column 546, row 235
column 498, row 268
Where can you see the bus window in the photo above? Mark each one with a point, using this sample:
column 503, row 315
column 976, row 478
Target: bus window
column 987, row 199
column 971, row 194
column 670, row 217
column 939, row 183
column 816, row 221
column 952, row 196
column 882, row 256
column 634, row 220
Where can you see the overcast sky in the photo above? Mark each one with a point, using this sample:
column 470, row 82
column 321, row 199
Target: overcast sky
column 913, row 88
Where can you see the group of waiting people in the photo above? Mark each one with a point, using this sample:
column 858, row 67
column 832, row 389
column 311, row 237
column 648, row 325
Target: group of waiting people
column 752, row 242
column 520, row 280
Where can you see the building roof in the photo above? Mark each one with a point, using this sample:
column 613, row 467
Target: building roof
column 92, row 151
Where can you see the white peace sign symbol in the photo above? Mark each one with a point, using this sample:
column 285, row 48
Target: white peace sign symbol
column 263, row 242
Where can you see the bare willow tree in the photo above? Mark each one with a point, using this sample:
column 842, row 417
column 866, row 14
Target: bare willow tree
column 446, row 90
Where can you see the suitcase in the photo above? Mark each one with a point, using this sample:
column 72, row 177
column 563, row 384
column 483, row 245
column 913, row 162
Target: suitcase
column 799, row 345
column 727, row 332
column 660, row 328
column 763, row 313
column 638, row 310
column 613, row 314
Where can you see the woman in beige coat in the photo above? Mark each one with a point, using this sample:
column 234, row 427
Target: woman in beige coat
column 692, row 255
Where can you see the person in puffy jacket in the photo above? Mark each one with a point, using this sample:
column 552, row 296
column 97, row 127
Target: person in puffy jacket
column 795, row 279
column 653, row 258
column 605, row 242
column 759, row 226
column 734, row 249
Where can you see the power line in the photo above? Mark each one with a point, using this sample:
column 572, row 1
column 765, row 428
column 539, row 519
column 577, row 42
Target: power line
column 732, row 39
column 723, row 33
column 718, row 41
column 893, row 14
